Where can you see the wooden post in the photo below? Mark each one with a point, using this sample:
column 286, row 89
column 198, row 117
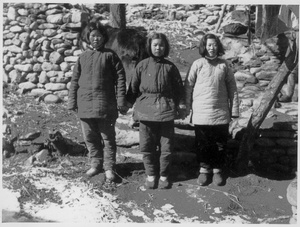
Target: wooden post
column 269, row 21
column 118, row 15
column 220, row 18
column 268, row 99
column 258, row 20
column 249, row 26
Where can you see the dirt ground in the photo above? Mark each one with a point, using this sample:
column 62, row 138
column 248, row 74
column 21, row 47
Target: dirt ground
column 254, row 198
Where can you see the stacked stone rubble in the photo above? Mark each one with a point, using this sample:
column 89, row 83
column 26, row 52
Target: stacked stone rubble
column 41, row 47
column 41, row 41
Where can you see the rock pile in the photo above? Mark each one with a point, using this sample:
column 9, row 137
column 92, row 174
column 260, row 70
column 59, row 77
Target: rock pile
column 235, row 23
column 41, row 41
column 41, row 47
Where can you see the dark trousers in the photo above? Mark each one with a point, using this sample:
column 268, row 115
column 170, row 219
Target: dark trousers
column 100, row 138
column 156, row 145
column 211, row 141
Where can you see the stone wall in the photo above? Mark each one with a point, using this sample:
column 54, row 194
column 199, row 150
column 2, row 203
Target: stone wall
column 40, row 41
column 40, row 47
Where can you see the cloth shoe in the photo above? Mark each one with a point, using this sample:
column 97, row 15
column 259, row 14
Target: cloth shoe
column 110, row 175
column 204, row 177
column 93, row 171
column 218, row 178
column 150, row 182
column 164, row 184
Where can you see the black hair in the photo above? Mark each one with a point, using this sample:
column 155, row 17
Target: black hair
column 94, row 25
column 203, row 42
column 161, row 36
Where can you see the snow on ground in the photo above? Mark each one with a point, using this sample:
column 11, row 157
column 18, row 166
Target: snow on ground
column 82, row 203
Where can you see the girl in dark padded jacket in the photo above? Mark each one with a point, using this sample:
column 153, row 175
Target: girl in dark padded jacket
column 157, row 89
column 97, row 92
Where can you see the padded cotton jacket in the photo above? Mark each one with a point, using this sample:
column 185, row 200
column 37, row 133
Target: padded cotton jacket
column 211, row 92
column 157, row 89
column 98, row 85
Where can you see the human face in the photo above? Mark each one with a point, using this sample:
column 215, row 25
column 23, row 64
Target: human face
column 211, row 47
column 158, row 47
column 96, row 39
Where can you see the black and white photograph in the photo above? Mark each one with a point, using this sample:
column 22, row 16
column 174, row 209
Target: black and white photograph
column 143, row 112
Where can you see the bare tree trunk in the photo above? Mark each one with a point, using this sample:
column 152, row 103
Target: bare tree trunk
column 269, row 21
column 118, row 15
column 221, row 17
column 268, row 99
column 249, row 26
column 258, row 20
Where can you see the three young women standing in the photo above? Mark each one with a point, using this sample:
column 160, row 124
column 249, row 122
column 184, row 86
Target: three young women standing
column 210, row 92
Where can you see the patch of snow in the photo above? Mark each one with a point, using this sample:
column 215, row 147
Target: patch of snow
column 270, row 220
column 9, row 200
column 80, row 202
column 193, row 192
column 232, row 219
column 167, row 207
column 138, row 213
column 217, row 210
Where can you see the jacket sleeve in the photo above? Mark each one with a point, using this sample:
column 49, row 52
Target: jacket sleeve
column 232, row 93
column 189, row 84
column 72, row 99
column 177, row 86
column 133, row 89
column 120, row 81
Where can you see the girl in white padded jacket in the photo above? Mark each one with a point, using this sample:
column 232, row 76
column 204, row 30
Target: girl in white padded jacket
column 211, row 95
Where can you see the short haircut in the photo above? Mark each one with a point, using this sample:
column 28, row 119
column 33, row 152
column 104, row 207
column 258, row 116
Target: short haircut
column 161, row 36
column 94, row 25
column 203, row 42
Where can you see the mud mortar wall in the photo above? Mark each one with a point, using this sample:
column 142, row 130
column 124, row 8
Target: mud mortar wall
column 275, row 149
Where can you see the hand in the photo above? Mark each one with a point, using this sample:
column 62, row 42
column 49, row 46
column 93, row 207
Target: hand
column 123, row 109
column 182, row 112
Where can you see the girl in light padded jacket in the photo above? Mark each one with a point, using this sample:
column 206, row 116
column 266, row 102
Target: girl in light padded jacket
column 211, row 95
column 157, row 89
